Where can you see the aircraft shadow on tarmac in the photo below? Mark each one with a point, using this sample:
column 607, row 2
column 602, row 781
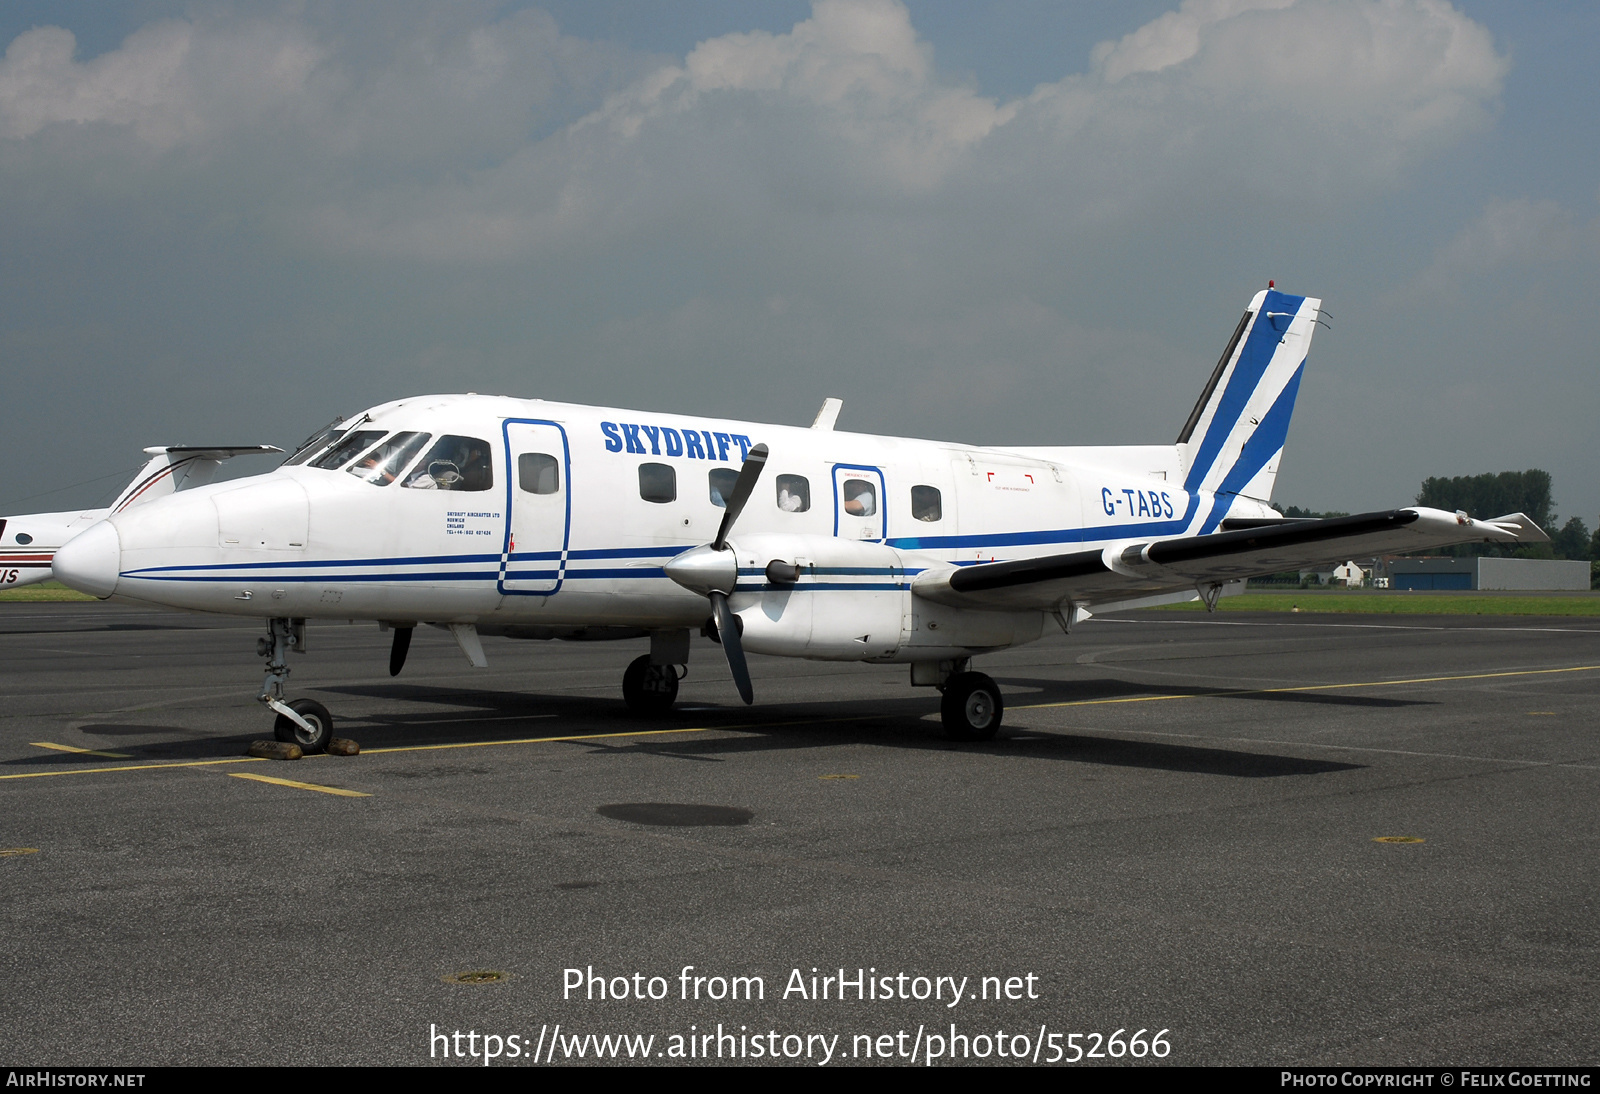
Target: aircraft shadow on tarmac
column 903, row 723
column 907, row 723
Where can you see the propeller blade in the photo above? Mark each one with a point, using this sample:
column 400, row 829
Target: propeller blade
column 398, row 651
column 728, row 631
column 742, row 488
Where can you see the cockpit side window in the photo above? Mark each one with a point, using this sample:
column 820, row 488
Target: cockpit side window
column 383, row 464
column 346, row 450
column 454, row 463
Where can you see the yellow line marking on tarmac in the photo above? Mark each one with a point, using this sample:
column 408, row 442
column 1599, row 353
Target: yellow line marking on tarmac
column 1307, row 687
column 81, row 751
column 132, row 767
column 298, row 786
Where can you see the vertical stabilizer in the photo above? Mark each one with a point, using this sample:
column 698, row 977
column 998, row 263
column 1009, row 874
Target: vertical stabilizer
column 1234, row 437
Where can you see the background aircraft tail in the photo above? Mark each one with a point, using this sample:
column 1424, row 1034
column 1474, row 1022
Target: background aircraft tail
column 179, row 467
column 28, row 541
column 1234, row 437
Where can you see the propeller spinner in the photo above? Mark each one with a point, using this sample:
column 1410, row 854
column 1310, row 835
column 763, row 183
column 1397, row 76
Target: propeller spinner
column 713, row 570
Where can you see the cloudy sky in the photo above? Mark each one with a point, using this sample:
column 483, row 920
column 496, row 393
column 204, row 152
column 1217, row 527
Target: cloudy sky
column 1015, row 222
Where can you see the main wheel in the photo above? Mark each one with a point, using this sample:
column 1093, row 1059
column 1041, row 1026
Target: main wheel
column 648, row 688
column 312, row 711
column 972, row 707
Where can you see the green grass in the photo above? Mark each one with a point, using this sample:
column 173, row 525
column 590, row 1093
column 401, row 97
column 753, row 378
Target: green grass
column 1401, row 602
column 43, row 593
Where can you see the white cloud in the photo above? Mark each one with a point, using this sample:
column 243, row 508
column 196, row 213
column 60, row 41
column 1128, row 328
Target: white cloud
column 171, row 82
column 1511, row 232
column 434, row 149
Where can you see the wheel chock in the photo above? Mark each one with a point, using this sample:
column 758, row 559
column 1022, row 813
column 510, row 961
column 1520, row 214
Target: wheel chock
column 343, row 746
column 274, row 750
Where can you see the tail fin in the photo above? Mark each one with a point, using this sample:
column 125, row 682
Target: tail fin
column 1231, row 444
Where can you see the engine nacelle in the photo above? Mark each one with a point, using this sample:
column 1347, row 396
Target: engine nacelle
column 842, row 600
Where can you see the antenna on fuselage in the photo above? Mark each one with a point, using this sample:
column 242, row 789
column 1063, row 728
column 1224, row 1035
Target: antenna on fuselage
column 828, row 414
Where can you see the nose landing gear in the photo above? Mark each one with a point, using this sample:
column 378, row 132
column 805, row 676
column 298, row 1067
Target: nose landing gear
column 304, row 722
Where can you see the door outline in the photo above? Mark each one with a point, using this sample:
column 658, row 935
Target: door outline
column 511, row 491
column 883, row 498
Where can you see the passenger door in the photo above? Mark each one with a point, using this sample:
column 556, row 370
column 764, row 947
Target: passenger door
column 533, row 559
column 858, row 502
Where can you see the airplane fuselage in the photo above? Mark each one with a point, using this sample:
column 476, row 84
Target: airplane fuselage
column 622, row 493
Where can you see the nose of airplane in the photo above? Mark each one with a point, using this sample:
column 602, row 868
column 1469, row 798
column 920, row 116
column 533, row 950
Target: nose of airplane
column 91, row 561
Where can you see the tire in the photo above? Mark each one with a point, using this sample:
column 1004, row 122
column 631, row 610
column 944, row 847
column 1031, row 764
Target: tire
column 972, row 707
column 313, row 712
column 649, row 689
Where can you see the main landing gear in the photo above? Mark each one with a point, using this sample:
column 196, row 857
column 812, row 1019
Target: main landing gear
column 649, row 688
column 971, row 708
column 304, row 722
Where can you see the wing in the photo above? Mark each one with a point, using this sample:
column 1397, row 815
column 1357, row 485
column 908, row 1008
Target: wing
column 1135, row 570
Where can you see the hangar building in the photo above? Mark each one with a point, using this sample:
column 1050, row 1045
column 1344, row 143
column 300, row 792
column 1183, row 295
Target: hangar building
column 1488, row 573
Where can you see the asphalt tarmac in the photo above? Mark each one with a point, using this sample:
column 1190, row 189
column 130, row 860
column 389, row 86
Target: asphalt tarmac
column 1177, row 832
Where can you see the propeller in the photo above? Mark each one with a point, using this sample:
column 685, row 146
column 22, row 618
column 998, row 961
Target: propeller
column 398, row 651
column 713, row 571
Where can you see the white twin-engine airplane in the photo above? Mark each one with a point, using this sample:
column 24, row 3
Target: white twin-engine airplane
column 527, row 519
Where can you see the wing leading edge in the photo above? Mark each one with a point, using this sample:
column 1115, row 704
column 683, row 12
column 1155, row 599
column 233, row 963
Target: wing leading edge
column 1134, row 570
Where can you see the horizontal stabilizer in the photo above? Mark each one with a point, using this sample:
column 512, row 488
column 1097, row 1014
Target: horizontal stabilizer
column 1130, row 570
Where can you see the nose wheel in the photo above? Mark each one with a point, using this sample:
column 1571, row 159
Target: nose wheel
column 314, row 739
column 304, row 722
column 972, row 708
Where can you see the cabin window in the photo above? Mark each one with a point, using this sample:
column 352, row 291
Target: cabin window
column 346, row 450
column 658, row 482
column 383, row 464
column 926, row 503
column 454, row 463
column 860, row 498
column 721, row 481
column 538, row 473
column 794, row 493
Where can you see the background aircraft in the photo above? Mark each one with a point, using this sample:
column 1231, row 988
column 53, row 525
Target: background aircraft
column 528, row 519
column 28, row 542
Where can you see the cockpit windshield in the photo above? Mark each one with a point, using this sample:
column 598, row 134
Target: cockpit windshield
column 346, row 450
column 321, row 439
column 383, row 464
